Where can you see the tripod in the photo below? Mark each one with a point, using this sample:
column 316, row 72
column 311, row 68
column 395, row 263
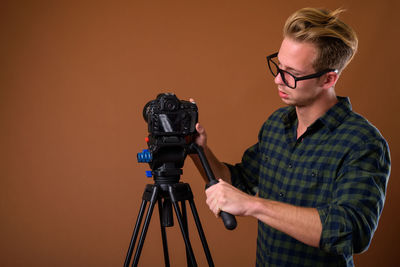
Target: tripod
column 167, row 191
column 164, row 195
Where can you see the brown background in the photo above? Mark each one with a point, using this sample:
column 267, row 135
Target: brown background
column 75, row 76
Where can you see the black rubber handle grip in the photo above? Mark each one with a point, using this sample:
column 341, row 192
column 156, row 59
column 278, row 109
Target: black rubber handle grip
column 229, row 220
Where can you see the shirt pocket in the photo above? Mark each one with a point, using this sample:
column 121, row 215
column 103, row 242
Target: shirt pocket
column 313, row 187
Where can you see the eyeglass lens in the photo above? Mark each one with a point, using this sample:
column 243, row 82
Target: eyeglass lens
column 285, row 76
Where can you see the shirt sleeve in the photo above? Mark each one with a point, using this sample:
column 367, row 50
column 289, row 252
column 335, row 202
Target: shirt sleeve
column 350, row 220
column 245, row 175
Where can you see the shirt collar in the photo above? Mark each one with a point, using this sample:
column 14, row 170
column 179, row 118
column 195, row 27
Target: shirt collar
column 336, row 115
column 331, row 119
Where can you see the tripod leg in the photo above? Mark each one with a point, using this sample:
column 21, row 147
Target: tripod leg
column 184, row 233
column 185, row 226
column 154, row 197
column 163, row 234
column 135, row 233
column 201, row 232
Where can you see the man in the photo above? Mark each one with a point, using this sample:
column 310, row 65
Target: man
column 316, row 180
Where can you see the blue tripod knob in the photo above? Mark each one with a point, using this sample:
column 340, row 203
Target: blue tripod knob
column 144, row 156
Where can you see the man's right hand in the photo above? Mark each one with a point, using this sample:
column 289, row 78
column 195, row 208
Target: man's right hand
column 201, row 138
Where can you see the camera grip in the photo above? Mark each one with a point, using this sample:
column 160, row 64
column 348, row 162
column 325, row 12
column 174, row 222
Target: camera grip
column 228, row 219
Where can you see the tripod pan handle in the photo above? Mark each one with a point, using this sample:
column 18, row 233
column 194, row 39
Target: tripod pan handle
column 228, row 219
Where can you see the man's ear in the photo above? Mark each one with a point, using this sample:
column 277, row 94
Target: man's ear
column 329, row 80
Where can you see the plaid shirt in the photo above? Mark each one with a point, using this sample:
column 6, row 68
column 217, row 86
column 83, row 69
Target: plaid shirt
column 340, row 166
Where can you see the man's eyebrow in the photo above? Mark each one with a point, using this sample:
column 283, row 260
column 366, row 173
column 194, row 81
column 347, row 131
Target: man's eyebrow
column 293, row 70
column 289, row 69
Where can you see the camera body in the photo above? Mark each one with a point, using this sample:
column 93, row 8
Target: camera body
column 169, row 116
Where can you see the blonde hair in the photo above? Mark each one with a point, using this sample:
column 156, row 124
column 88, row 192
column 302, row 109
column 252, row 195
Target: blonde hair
column 336, row 42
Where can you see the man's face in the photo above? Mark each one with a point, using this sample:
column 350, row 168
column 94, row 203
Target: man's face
column 298, row 58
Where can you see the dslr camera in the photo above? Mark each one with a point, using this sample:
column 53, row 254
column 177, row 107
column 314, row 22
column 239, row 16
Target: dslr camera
column 171, row 126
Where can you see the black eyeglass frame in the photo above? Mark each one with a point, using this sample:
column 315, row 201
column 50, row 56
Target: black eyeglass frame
column 296, row 79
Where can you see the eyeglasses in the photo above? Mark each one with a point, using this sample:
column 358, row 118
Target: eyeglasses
column 289, row 79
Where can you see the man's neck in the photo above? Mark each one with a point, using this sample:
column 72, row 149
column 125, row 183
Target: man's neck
column 307, row 115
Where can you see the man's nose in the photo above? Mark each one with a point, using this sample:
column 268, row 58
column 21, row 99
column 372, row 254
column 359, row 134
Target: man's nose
column 278, row 79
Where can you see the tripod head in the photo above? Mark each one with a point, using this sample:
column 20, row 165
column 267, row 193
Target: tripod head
column 166, row 156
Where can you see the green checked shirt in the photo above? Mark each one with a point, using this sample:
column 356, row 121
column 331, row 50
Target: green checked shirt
column 340, row 166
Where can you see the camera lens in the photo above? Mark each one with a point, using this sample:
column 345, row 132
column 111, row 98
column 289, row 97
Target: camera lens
column 146, row 110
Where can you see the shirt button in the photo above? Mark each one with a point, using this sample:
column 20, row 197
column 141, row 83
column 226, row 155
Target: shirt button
column 281, row 194
column 290, row 165
column 268, row 252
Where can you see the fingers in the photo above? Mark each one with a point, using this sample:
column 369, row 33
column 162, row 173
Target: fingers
column 214, row 207
column 214, row 199
column 201, row 138
column 200, row 129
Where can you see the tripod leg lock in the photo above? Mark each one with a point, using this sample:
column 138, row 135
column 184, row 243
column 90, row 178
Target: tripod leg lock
column 167, row 217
